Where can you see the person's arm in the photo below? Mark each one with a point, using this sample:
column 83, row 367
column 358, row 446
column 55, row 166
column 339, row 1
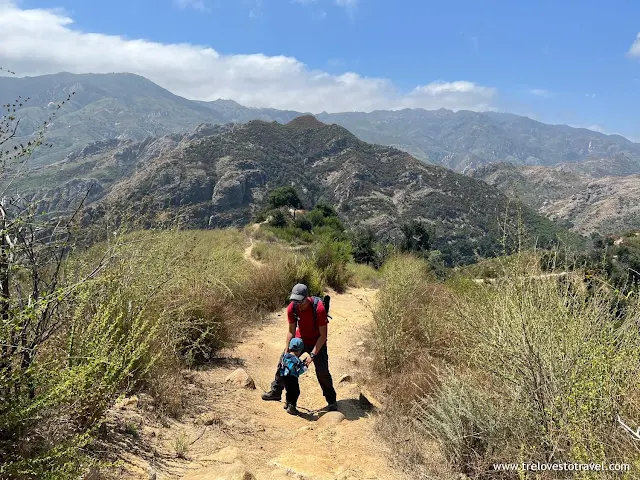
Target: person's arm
column 321, row 340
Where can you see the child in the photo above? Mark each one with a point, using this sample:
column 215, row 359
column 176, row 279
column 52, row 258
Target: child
column 291, row 367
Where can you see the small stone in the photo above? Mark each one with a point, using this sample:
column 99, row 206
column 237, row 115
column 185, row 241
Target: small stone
column 330, row 419
column 345, row 379
column 208, row 418
column 368, row 400
column 152, row 474
column 241, row 379
column 360, row 344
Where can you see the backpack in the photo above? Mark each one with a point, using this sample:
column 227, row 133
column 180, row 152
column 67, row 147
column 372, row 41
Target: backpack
column 325, row 301
column 290, row 365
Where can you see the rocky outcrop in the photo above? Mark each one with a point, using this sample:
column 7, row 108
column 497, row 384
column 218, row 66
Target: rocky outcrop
column 234, row 187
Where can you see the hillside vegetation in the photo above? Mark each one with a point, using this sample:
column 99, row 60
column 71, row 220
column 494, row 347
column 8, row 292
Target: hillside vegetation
column 158, row 302
column 525, row 370
column 219, row 177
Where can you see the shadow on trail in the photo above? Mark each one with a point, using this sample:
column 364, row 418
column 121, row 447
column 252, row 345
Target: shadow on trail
column 351, row 408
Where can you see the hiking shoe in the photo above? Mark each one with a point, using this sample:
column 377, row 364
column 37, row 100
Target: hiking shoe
column 332, row 407
column 272, row 395
column 291, row 408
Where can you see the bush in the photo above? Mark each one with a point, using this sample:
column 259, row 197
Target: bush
column 528, row 369
column 303, row 223
column 363, row 246
column 331, row 259
column 278, row 219
column 398, row 315
column 364, row 276
column 284, row 197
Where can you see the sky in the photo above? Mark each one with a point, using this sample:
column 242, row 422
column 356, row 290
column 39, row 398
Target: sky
column 569, row 62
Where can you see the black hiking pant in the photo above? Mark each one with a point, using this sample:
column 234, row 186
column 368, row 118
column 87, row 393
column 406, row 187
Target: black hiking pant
column 292, row 387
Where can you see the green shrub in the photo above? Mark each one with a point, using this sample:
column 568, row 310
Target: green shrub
column 331, row 259
column 303, row 223
column 399, row 311
column 278, row 219
column 284, row 197
column 363, row 242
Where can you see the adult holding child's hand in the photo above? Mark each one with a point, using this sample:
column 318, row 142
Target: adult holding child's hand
column 309, row 315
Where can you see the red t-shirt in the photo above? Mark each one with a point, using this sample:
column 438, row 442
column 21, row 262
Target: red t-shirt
column 307, row 329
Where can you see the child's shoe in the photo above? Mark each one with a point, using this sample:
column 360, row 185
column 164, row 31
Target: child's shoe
column 291, row 408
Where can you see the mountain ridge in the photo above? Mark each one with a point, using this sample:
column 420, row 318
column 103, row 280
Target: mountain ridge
column 221, row 178
column 129, row 106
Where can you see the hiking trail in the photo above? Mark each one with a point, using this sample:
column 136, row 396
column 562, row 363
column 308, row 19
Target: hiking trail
column 229, row 432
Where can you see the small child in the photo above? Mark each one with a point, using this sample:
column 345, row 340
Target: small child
column 291, row 367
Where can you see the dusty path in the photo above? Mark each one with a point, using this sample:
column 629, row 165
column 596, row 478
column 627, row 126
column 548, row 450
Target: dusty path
column 247, row 435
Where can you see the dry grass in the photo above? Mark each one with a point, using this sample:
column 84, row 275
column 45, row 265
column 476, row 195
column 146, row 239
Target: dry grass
column 364, row 276
column 524, row 370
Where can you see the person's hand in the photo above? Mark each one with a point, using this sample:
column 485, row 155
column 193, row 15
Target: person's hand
column 308, row 361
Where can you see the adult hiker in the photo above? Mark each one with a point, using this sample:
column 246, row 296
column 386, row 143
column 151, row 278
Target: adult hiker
column 309, row 315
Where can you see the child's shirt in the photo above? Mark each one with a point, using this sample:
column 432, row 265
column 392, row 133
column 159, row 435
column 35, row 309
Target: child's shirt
column 292, row 365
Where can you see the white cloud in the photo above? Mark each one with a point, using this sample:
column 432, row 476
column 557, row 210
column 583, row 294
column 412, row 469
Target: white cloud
column 634, row 51
column 304, row 2
column 540, row 92
column 38, row 41
column 349, row 5
column 195, row 4
column 590, row 95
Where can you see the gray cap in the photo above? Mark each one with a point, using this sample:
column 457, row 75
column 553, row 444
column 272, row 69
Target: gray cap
column 299, row 292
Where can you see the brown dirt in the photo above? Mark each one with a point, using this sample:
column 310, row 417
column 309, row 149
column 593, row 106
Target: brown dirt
column 270, row 443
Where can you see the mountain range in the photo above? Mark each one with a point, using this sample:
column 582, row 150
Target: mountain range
column 570, row 195
column 127, row 106
column 219, row 176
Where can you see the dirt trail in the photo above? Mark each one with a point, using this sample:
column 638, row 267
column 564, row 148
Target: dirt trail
column 247, row 434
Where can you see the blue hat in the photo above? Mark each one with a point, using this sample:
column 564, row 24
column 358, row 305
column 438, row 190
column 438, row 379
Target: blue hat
column 296, row 345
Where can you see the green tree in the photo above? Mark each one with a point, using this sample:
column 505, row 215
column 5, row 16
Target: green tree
column 284, row 197
column 278, row 219
column 416, row 237
column 363, row 242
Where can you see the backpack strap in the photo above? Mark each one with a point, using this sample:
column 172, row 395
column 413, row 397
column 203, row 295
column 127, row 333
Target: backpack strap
column 315, row 311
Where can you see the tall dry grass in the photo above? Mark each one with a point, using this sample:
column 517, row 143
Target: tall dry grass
column 524, row 370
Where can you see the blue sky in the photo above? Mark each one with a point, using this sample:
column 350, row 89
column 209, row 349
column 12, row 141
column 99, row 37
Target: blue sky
column 557, row 61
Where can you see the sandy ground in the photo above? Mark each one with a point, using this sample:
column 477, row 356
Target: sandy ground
column 229, row 432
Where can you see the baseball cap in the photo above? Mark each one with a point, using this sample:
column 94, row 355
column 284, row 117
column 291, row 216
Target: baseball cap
column 299, row 292
column 296, row 345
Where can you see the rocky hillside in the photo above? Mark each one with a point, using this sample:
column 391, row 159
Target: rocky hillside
column 219, row 176
column 583, row 202
column 127, row 106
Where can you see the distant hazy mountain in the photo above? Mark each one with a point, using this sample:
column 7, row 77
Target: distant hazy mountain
column 219, row 176
column 127, row 106
column 581, row 201
column 462, row 140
